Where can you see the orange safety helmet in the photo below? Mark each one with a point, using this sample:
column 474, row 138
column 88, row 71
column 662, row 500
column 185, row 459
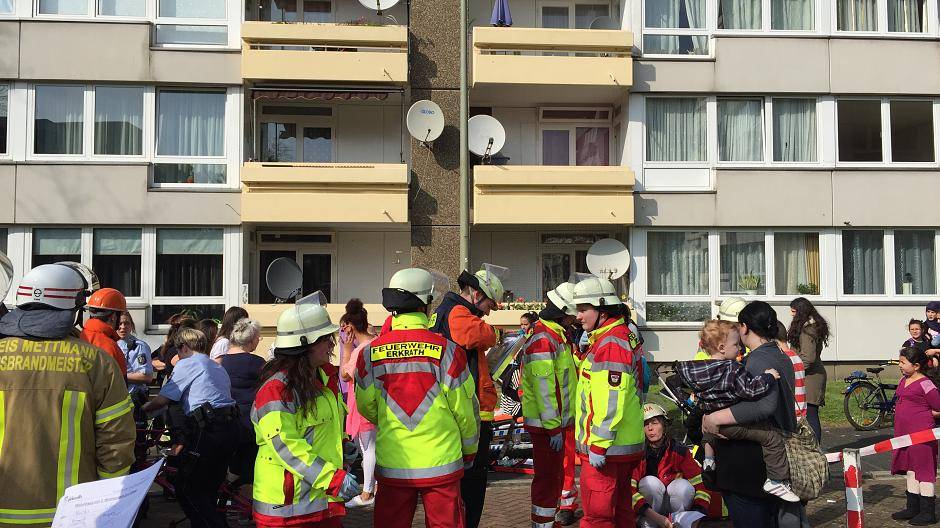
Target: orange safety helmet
column 108, row 299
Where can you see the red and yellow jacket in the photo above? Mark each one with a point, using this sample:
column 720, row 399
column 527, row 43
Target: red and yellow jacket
column 98, row 333
column 676, row 463
column 548, row 377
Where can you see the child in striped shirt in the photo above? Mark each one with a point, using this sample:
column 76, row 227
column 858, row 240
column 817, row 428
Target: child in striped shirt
column 799, row 370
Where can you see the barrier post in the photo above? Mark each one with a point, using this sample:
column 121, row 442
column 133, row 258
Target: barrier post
column 854, row 506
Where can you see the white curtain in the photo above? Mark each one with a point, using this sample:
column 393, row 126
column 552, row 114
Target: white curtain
column 792, row 15
column 59, row 113
column 914, row 261
column 189, row 241
column 318, row 144
column 192, row 8
column 555, row 17
column 740, row 135
column 592, row 146
column 863, row 262
column 117, row 242
column 796, row 262
column 794, row 129
column 741, row 254
column 662, row 13
column 675, row 129
column 57, row 241
column 682, row 14
column 63, row 7
column 188, row 173
column 739, row 14
column 695, row 11
column 857, row 15
column 119, row 115
column 4, row 95
column 678, row 263
column 190, row 123
column 129, row 8
column 906, row 16
column 584, row 14
column 6, row 6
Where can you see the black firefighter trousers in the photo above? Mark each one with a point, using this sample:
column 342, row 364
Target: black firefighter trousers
column 473, row 483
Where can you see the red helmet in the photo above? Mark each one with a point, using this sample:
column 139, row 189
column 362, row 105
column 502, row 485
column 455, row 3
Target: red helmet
column 108, row 299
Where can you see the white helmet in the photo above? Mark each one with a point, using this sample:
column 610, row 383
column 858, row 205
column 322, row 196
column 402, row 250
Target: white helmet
column 57, row 286
column 302, row 325
column 651, row 410
column 596, row 292
column 6, row 275
column 488, row 281
column 729, row 309
column 563, row 298
column 409, row 290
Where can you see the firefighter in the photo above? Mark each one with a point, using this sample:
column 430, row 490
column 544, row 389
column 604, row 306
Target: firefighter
column 414, row 385
column 459, row 319
column 299, row 417
column 548, row 374
column 105, row 307
column 66, row 412
column 609, row 414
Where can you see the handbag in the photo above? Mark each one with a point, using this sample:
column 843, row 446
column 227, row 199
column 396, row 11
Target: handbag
column 809, row 469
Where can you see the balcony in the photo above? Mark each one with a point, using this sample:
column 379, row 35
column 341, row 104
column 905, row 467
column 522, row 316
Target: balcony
column 307, row 193
column 552, row 65
column 552, row 195
column 324, row 53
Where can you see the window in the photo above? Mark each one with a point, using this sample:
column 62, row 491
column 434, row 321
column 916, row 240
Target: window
column 123, row 8
column 59, row 119
column 862, row 131
column 192, row 9
column 678, row 263
column 912, row 131
column 160, row 314
column 857, row 15
column 863, row 262
column 914, row 262
column 189, row 263
column 190, row 125
column 907, row 16
column 792, row 15
column 6, row 6
column 116, row 259
column 742, row 263
column 191, row 35
column 290, row 11
column 794, row 130
column 674, row 27
column 675, row 129
column 52, row 245
column 318, row 144
column 191, row 22
column 859, row 130
column 279, row 141
column 796, row 263
column 4, row 112
column 578, row 16
column 559, row 263
column 119, row 115
column 296, row 134
column 63, row 7
column 4, row 234
column 739, row 14
column 575, row 136
column 903, row 16
column 740, row 130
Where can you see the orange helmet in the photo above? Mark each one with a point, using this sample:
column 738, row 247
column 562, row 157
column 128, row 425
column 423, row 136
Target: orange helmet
column 108, row 299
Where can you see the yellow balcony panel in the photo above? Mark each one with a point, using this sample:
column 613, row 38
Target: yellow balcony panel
column 552, row 195
column 584, row 58
column 325, row 52
column 324, row 192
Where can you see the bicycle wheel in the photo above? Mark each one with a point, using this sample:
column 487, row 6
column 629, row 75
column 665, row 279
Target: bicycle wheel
column 864, row 407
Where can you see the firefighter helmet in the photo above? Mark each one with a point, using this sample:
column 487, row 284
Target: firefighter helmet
column 596, row 292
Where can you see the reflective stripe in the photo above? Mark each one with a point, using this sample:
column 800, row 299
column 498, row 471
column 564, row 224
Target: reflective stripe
column 538, row 356
column 106, row 475
column 70, row 442
column 291, row 510
column 2, row 423
column 547, row 524
column 543, row 512
column 703, row 495
column 697, row 479
column 625, row 449
column 471, row 441
column 257, row 413
column 612, row 365
column 604, row 429
column 447, row 360
column 420, row 473
column 623, row 343
column 114, row 411
column 309, row 472
column 548, row 400
column 37, row 516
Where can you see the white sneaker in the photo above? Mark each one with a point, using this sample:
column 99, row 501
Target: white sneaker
column 781, row 489
column 357, row 502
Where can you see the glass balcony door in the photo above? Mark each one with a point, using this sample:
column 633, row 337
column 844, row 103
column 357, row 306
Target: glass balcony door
column 293, row 134
column 309, row 11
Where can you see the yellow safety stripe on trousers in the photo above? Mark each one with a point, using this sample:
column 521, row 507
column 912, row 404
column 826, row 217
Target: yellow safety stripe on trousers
column 697, row 479
column 114, row 411
column 2, row 422
column 37, row 516
column 703, row 495
column 121, row 472
column 70, row 441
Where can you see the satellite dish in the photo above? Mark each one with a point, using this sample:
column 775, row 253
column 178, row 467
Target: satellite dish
column 604, row 22
column 378, row 5
column 608, row 258
column 284, row 278
column 485, row 136
column 425, row 120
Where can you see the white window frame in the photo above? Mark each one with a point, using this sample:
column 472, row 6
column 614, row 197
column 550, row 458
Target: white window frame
column 764, row 129
column 571, row 125
column 889, row 264
column 7, row 153
column 886, row 154
column 571, row 5
column 711, row 11
column 819, row 22
column 300, row 12
column 322, row 248
column 234, row 13
column 930, row 21
column 300, row 122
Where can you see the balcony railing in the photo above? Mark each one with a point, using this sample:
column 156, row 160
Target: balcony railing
column 552, row 195
column 324, row 192
column 325, row 52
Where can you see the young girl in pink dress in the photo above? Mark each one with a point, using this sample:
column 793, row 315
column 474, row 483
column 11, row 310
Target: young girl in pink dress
column 355, row 324
column 917, row 397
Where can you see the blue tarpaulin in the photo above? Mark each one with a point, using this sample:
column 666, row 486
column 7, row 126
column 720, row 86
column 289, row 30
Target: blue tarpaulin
column 501, row 15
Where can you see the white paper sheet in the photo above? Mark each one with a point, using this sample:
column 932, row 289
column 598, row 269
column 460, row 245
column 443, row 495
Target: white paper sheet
column 109, row 503
column 685, row 519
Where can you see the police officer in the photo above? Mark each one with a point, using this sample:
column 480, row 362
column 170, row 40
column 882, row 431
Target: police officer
column 203, row 388
column 137, row 355
column 414, row 385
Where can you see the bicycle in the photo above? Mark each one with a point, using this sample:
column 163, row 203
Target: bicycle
column 866, row 403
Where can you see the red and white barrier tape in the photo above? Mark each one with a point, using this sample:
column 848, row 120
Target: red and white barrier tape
column 854, row 505
column 920, row 437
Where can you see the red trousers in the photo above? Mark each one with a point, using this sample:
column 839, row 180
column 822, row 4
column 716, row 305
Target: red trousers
column 332, row 522
column 395, row 506
column 547, row 480
column 569, row 492
column 606, row 495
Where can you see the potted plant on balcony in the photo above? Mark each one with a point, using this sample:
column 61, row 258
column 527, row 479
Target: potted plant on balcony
column 749, row 283
column 807, row 289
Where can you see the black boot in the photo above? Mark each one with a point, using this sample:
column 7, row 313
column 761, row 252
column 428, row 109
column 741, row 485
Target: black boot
column 928, row 513
column 913, row 508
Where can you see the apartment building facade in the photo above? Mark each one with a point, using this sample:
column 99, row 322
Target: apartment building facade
column 764, row 148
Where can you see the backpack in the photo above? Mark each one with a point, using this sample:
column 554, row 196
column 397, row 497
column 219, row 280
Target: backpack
column 809, row 469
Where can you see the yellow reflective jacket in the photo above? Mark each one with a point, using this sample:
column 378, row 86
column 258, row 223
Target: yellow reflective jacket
column 414, row 385
column 65, row 418
column 548, row 378
column 610, row 416
column 299, row 467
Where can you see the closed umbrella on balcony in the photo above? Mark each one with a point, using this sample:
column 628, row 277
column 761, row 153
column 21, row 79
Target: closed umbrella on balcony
column 501, row 15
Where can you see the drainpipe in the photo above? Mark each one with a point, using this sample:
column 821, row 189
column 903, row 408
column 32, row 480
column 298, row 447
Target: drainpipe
column 464, row 178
